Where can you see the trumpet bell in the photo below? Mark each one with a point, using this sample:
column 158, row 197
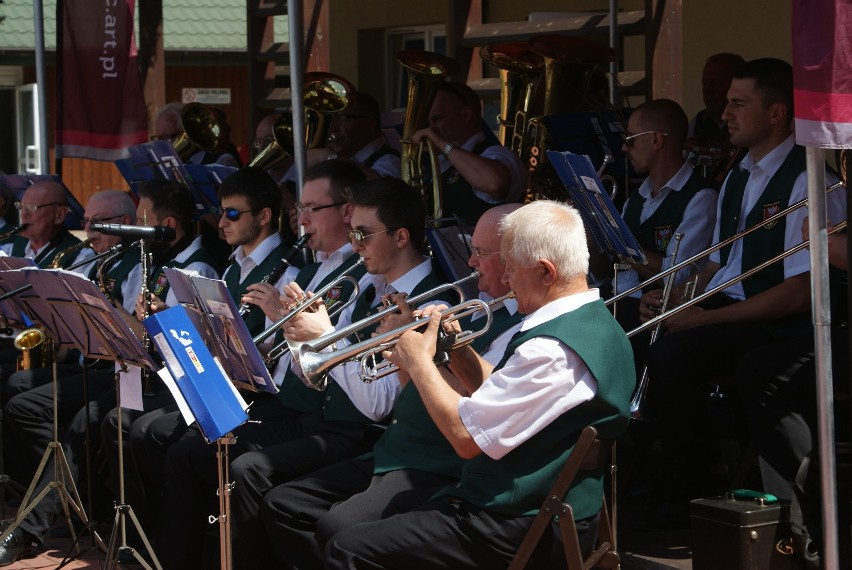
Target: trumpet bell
column 325, row 95
column 281, row 147
column 29, row 339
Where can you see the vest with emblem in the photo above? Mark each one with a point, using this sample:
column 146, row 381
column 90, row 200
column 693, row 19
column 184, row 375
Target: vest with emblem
column 457, row 193
column 337, row 406
column 768, row 241
column 60, row 242
column 412, row 440
column 293, row 391
column 517, row 483
column 656, row 232
column 254, row 318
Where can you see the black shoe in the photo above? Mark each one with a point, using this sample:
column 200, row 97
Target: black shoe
column 19, row 544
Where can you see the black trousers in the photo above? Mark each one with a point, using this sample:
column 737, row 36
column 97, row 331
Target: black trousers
column 778, row 385
column 335, row 498
column 446, row 534
column 30, row 415
column 681, row 368
column 301, row 443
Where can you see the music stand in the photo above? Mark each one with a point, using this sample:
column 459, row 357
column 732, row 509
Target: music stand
column 93, row 326
column 449, row 239
column 210, row 310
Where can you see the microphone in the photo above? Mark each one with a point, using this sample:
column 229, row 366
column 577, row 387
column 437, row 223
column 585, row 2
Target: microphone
column 153, row 233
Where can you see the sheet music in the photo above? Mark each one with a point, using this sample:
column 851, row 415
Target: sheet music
column 223, row 328
column 599, row 214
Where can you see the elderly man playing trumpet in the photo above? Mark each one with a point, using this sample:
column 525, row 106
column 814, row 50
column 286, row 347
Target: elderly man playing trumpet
column 569, row 366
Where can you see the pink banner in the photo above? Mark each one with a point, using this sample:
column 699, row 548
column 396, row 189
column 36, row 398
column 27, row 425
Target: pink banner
column 822, row 72
column 101, row 108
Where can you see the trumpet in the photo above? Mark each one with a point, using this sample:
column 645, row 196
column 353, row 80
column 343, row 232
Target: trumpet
column 316, row 365
column 278, row 350
column 333, row 337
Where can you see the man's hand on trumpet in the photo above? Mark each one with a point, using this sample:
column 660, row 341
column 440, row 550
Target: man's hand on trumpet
column 414, row 350
column 267, row 298
column 395, row 320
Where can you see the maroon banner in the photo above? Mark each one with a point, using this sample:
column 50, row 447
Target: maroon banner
column 822, row 72
column 100, row 105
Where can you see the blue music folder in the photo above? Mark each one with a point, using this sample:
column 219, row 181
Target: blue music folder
column 201, row 380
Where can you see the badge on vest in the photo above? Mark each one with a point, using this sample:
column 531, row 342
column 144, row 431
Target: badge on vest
column 333, row 296
column 453, row 177
column 662, row 237
column 160, row 284
column 770, row 210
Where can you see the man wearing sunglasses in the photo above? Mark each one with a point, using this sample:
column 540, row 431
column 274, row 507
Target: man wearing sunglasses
column 476, row 170
column 190, row 464
column 673, row 199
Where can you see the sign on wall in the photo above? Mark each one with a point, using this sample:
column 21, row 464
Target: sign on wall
column 207, row 95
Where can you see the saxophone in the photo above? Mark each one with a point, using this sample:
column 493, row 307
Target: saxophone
column 101, row 278
column 57, row 259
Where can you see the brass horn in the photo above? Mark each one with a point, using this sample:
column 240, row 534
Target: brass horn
column 200, row 131
column 281, row 147
column 325, row 95
column 426, row 71
column 520, row 71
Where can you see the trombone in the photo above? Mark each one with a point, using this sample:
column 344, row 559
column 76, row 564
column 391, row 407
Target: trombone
column 319, row 381
column 278, row 350
column 739, row 235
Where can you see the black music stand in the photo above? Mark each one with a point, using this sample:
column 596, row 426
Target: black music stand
column 98, row 331
column 212, row 313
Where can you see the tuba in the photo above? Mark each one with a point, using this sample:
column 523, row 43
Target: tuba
column 426, row 71
column 573, row 82
column 200, row 131
column 281, row 147
column 325, row 95
column 520, row 71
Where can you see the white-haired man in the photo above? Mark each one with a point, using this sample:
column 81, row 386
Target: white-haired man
column 569, row 366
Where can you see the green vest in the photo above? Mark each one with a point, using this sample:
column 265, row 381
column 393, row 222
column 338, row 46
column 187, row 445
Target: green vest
column 254, row 318
column 159, row 283
column 337, row 406
column 656, row 232
column 762, row 244
column 412, row 440
column 293, row 392
column 517, row 483
column 457, row 193
column 60, row 242
column 118, row 272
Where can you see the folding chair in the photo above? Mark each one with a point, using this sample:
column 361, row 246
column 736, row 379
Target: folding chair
column 590, row 453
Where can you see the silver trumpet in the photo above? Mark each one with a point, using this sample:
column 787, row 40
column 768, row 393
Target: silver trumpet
column 280, row 349
column 320, row 381
column 316, row 365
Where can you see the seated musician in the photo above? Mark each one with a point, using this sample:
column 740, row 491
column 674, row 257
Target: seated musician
column 778, row 384
column 707, row 341
column 8, row 220
column 411, row 460
column 28, row 416
column 673, row 199
column 708, row 125
column 476, row 170
column 569, row 366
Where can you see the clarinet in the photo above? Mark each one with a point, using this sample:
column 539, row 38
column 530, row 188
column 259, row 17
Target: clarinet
column 276, row 273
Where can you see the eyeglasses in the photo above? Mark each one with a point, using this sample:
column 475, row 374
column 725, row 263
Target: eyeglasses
column 358, row 237
column 32, row 209
column 164, row 137
column 302, row 209
column 233, row 215
column 98, row 220
column 628, row 139
column 479, row 253
column 342, row 118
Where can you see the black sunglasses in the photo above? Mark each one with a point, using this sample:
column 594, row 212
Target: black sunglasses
column 233, row 214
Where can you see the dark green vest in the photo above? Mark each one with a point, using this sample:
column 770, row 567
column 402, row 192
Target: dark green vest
column 517, row 483
column 768, row 241
column 293, row 392
column 159, row 283
column 118, row 272
column 338, row 407
column 457, row 193
column 656, row 232
column 412, row 440
column 60, row 242
column 255, row 318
